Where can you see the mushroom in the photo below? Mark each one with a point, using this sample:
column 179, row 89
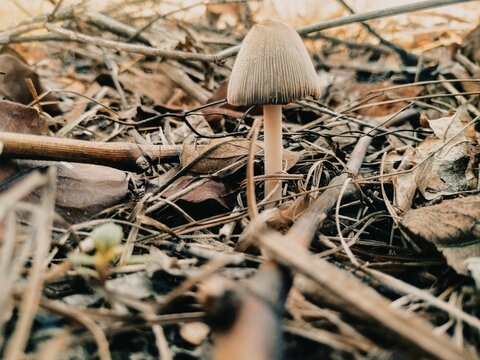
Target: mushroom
column 272, row 68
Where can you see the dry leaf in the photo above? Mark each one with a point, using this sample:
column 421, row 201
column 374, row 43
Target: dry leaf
column 442, row 164
column 452, row 226
column 184, row 134
column 156, row 87
column 165, row 34
column 221, row 153
column 19, row 118
column 210, row 191
column 84, row 190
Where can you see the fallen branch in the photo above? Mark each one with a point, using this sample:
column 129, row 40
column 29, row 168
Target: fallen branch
column 121, row 155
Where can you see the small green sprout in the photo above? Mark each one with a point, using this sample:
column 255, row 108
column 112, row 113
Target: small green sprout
column 107, row 240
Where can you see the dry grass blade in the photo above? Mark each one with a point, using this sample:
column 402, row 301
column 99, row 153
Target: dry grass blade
column 30, row 299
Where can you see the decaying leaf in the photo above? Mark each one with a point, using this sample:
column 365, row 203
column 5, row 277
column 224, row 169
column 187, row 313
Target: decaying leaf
column 453, row 226
column 19, row 118
column 441, row 165
column 209, row 191
column 83, row 190
column 222, row 153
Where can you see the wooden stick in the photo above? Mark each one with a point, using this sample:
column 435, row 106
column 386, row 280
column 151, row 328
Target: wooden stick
column 121, row 155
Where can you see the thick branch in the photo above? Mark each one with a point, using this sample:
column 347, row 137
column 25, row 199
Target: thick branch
column 121, row 155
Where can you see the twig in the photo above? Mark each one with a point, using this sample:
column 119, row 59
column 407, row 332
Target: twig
column 120, row 155
column 406, row 288
column 376, row 14
column 351, row 44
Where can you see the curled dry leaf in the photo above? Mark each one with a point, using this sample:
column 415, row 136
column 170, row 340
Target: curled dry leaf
column 441, row 165
column 222, row 153
column 452, row 226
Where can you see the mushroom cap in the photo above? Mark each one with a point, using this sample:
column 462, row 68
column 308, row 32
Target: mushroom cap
column 272, row 67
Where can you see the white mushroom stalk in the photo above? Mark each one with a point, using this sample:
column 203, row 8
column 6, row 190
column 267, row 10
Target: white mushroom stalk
column 272, row 125
column 272, row 68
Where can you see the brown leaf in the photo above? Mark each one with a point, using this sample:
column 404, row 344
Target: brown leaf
column 183, row 133
column 156, row 87
column 221, row 93
column 221, row 153
column 20, row 119
column 452, row 226
column 83, row 190
column 211, row 190
column 17, row 118
column 166, row 34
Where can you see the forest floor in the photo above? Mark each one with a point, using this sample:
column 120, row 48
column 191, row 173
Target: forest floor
column 133, row 219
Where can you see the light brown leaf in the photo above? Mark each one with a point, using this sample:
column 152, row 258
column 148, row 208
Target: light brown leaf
column 441, row 165
column 156, row 87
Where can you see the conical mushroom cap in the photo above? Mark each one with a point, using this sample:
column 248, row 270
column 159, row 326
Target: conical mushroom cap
column 272, row 67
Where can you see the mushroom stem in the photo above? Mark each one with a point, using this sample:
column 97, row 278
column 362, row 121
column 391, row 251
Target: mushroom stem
column 272, row 125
